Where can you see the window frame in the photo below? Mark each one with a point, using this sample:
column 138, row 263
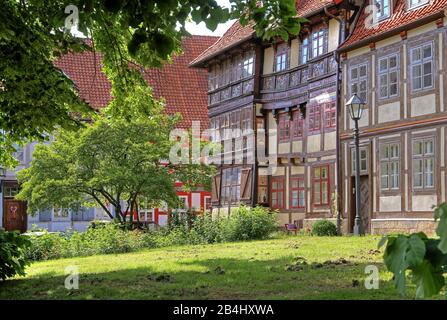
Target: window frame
column 317, row 35
column 299, row 189
column 421, row 63
column 389, row 161
column 305, row 50
column 277, row 179
column 298, row 125
column 387, row 72
column 228, row 184
column 358, row 80
column 382, row 17
column 314, row 113
column 419, row 4
column 423, row 157
column 282, row 51
column 284, row 128
column 320, row 181
column 331, row 109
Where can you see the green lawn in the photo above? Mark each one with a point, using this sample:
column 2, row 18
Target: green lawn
column 244, row 270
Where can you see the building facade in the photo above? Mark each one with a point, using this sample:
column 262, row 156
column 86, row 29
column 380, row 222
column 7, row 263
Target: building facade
column 185, row 94
column 395, row 60
column 273, row 108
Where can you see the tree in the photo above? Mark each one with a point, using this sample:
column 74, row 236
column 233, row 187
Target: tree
column 36, row 98
column 114, row 160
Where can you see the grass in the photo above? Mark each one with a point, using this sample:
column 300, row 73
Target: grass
column 243, row 270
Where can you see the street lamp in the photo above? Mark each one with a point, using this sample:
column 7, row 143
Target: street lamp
column 355, row 106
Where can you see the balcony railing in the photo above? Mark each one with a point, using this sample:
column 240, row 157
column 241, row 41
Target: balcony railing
column 231, row 90
column 301, row 75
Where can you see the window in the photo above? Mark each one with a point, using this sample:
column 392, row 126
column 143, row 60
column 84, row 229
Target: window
column 207, row 203
column 45, row 215
column 422, row 67
column 416, row 3
column 330, row 115
column 383, row 9
column 225, row 131
column 304, row 51
column 314, row 116
column 10, row 191
column 231, row 185
column 318, row 43
column 359, row 81
column 248, row 66
column 83, row 214
column 320, row 185
column 212, row 78
column 423, row 163
column 18, row 153
column 388, row 77
column 61, row 213
column 298, row 124
column 363, row 160
column 297, row 193
column 278, row 192
column 284, row 127
column 236, row 124
column 282, row 57
column 389, row 166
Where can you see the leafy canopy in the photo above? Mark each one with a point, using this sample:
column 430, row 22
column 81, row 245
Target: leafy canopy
column 115, row 160
column 36, row 98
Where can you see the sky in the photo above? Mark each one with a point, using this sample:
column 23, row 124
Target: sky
column 201, row 29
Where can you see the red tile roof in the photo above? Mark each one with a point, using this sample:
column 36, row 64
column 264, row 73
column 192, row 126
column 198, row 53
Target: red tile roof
column 237, row 33
column 400, row 17
column 184, row 89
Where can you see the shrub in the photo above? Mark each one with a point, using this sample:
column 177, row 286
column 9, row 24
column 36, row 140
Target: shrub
column 248, row 224
column 324, row 228
column 104, row 238
column 12, row 254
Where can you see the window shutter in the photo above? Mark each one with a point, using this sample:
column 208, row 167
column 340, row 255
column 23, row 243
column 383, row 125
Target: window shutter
column 246, row 184
column 215, row 190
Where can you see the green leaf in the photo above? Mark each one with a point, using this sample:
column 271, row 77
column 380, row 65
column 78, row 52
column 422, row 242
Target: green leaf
column 416, row 251
column 395, row 261
column 441, row 230
column 382, row 242
column 428, row 280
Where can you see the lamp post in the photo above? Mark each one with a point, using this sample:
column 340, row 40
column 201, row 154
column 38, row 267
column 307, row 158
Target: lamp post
column 355, row 106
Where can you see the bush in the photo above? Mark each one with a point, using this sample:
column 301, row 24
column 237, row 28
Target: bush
column 104, row 238
column 248, row 224
column 324, row 228
column 12, row 254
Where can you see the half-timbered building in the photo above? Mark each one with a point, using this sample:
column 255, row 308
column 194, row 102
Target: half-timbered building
column 395, row 60
column 282, row 95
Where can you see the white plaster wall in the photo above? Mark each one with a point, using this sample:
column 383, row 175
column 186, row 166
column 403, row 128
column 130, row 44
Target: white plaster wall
column 334, row 27
column 424, row 202
column 284, row 148
column 195, row 200
column 294, row 53
column 330, row 140
column 314, row 143
column 423, row 105
column 390, row 203
column 297, row 146
column 389, row 112
column 268, row 60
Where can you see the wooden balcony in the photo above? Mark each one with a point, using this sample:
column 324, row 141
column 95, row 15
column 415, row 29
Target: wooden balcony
column 231, row 91
column 302, row 75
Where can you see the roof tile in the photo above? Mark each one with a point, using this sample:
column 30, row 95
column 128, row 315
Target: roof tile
column 184, row 89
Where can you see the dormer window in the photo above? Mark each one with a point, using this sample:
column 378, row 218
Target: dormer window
column 416, row 3
column 383, row 9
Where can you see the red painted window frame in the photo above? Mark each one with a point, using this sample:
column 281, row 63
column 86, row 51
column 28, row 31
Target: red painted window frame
column 298, row 122
column 330, row 115
column 314, row 112
column 272, row 191
column 320, row 180
column 303, row 188
column 283, row 119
